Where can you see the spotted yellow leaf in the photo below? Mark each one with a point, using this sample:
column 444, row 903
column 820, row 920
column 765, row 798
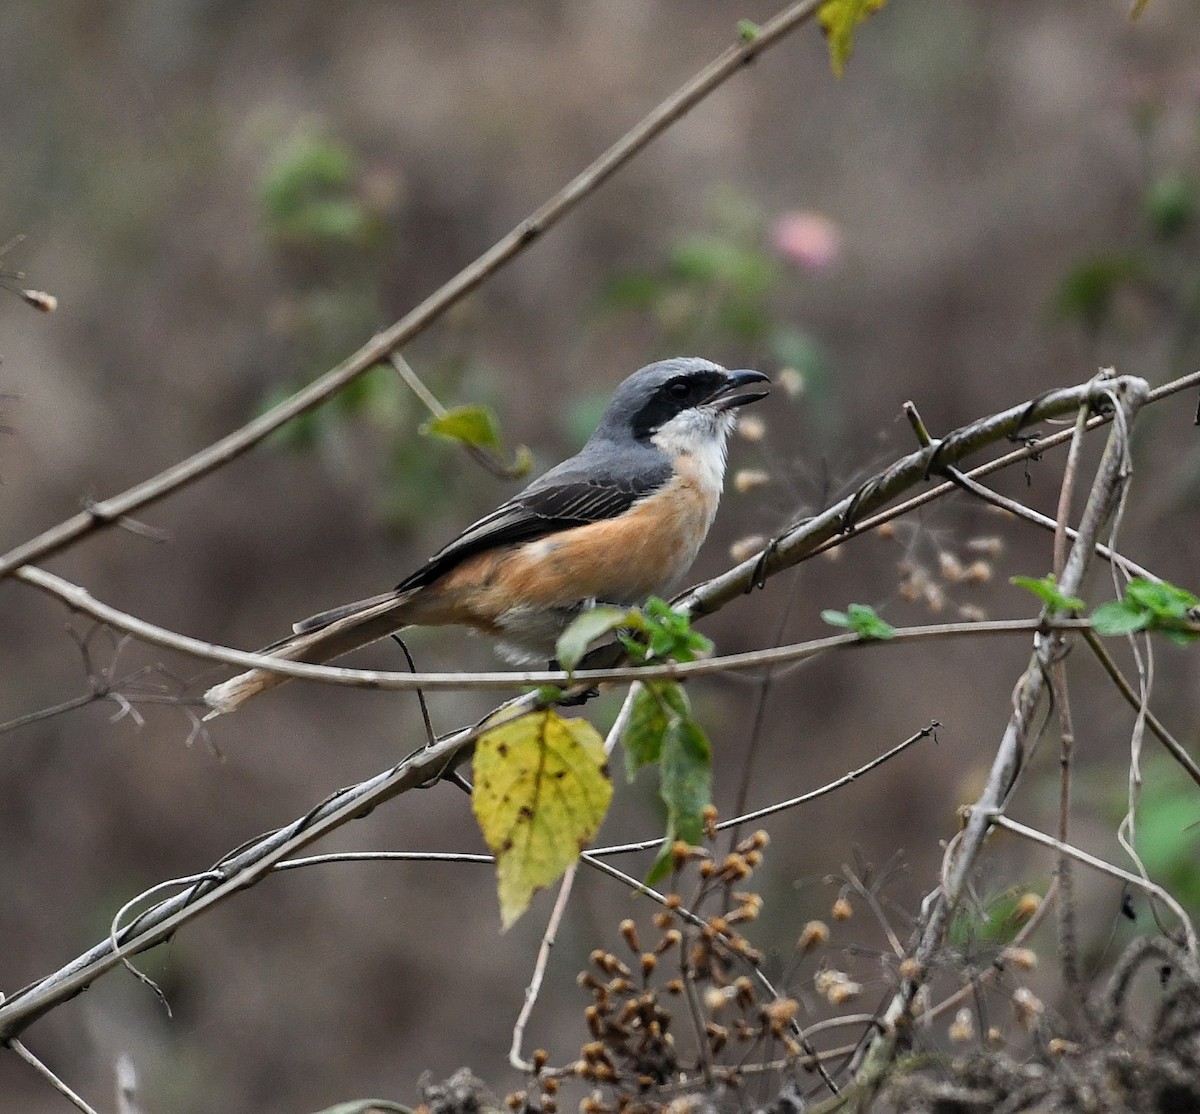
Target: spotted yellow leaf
column 541, row 792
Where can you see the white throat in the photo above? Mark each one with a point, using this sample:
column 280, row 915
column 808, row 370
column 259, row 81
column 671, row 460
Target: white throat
column 700, row 435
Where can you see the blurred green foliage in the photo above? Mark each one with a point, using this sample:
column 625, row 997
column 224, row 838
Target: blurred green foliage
column 1148, row 284
column 308, row 195
column 991, row 922
column 1168, row 830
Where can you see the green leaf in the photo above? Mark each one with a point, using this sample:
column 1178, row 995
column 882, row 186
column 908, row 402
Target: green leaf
column 541, row 793
column 654, row 706
column 1164, row 600
column 1120, row 617
column 862, row 620
column 667, row 635
column 472, row 425
column 839, row 20
column 686, row 778
column 686, row 788
column 1150, row 605
column 1047, row 590
column 574, row 641
column 306, row 166
column 1171, row 205
column 748, row 30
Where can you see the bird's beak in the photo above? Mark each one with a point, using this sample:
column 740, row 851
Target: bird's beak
column 729, row 395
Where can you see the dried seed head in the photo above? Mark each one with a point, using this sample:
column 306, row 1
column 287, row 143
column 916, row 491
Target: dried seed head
column 989, row 546
column 1024, row 958
column 670, row 939
column 962, row 1029
column 745, row 548
column 842, row 909
column 1060, row 1046
column 994, row 1036
column 977, row 572
column 743, row 991
column 515, row 1100
column 950, row 567
column 675, row 986
column 747, row 479
column 886, row 530
column 717, row 998
column 649, row 963
column 751, row 906
column 628, row 931
column 751, row 427
column 709, row 816
column 40, row 300
column 910, row 969
column 812, row 935
column 969, row 613
column 792, row 382
column 540, row 1058
column 779, row 1013
column 935, row 598
column 1027, row 1007
column 707, row 869
column 836, row 987
column 1027, row 905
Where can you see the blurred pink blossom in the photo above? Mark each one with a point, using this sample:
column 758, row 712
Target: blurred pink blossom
column 808, row 239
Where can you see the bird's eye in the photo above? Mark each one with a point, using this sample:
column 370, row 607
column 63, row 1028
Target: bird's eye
column 679, row 390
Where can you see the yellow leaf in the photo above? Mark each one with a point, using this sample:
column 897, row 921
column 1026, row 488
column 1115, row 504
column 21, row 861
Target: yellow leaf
column 839, row 20
column 473, row 425
column 541, row 792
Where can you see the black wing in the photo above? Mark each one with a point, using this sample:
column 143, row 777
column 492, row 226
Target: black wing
column 545, row 507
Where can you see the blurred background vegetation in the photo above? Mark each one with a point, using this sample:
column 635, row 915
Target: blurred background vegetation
column 227, row 199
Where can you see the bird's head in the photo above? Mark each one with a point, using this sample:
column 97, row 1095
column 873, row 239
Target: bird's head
column 683, row 403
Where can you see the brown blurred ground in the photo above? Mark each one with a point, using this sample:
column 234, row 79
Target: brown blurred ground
column 972, row 154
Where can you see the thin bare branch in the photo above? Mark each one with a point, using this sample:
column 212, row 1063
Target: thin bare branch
column 1174, row 747
column 781, row 806
column 50, row 1077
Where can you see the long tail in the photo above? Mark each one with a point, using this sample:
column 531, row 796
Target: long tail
column 319, row 639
